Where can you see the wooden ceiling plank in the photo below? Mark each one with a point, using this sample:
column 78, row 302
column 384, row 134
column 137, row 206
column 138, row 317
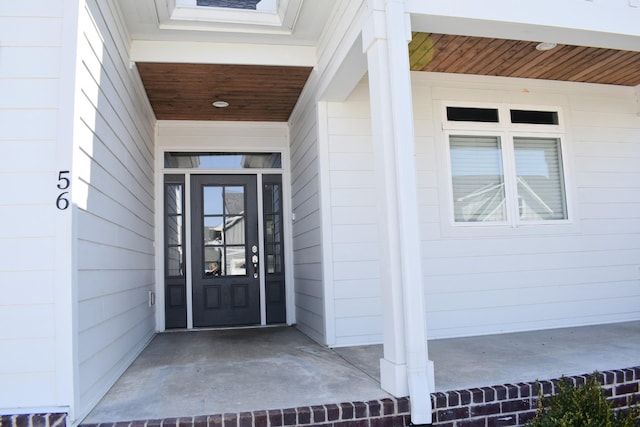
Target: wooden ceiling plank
column 495, row 53
column 423, row 51
column 466, row 55
column 513, row 56
column 607, row 74
column 185, row 91
column 596, row 66
column 560, row 61
column 446, row 53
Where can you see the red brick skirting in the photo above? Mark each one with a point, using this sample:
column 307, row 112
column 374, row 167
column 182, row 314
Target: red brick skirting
column 33, row 420
column 374, row 413
column 500, row 405
column 515, row 404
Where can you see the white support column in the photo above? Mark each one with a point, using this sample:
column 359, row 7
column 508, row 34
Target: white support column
column 638, row 100
column 405, row 368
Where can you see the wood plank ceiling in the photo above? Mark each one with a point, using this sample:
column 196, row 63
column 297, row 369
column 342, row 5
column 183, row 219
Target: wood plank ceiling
column 254, row 92
column 512, row 58
column 269, row 93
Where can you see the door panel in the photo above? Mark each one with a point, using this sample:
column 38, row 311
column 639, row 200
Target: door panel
column 225, row 280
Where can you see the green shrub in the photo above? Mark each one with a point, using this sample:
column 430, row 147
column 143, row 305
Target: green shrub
column 582, row 406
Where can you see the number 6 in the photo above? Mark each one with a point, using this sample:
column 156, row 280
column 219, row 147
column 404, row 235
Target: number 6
column 62, row 202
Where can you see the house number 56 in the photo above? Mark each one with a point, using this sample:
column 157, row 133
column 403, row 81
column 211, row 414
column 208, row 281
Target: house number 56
column 62, row 202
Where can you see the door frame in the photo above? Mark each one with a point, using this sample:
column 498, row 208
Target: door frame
column 161, row 171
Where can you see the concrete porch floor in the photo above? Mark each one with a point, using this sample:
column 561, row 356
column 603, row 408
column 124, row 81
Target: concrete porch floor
column 216, row 371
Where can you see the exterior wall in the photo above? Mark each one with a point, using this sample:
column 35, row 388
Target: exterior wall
column 506, row 279
column 311, row 195
column 35, row 339
column 307, row 231
column 493, row 280
column 354, row 215
column 114, row 194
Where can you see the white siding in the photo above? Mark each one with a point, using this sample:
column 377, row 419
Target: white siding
column 509, row 279
column 31, row 371
column 307, row 231
column 354, row 214
column 114, row 192
column 490, row 281
column 313, row 228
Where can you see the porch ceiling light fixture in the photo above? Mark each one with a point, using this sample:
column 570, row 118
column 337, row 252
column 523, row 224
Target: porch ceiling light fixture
column 220, row 104
column 546, row 46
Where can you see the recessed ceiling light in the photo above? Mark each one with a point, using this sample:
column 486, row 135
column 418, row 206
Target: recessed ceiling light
column 220, row 104
column 546, row 46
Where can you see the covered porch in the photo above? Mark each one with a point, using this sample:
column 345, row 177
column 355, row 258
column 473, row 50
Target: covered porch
column 195, row 376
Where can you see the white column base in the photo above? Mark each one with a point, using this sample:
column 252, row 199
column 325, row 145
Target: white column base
column 431, row 375
column 393, row 378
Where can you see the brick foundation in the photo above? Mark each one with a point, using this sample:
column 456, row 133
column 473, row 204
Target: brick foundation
column 500, row 405
column 515, row 404
column 33, row 420
column 374, row 413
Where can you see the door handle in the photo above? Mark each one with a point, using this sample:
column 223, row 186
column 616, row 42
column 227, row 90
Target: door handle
column 254, row 260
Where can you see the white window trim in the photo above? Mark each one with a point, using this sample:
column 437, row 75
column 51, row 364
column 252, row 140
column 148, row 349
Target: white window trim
column 506, row 131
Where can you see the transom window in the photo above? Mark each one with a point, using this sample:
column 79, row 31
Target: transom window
column 505, row 165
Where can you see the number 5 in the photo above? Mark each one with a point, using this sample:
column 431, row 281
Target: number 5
column 63, row 181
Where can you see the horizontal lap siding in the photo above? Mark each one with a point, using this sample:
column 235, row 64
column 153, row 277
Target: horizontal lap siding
column 585, row 274
column 115, row 197
column 483, row 282
column 31, row 34
column 354, row 215
column 307, row 232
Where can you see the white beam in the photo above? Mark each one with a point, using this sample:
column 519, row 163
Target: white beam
column 350, row 72
column 605, row 24
column 222, row 53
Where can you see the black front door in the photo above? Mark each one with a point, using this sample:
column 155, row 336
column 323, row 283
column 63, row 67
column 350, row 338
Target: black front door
column 224, row 261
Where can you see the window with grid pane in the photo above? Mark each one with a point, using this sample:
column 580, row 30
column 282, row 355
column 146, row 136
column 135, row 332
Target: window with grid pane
column 507, row 171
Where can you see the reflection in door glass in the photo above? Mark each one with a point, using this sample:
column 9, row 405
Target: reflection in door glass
column 224, row 231
column 174, row 230
column 212, row 200
column 233, row 200
column 272, row 227
column 235, row 261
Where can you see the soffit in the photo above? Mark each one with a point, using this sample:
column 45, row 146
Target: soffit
column 254, row 92
column 183, row 87
column 512, row 58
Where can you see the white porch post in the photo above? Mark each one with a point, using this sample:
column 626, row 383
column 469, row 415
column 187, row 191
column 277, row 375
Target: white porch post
column 405, row 368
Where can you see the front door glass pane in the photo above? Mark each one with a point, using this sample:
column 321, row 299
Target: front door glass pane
column 213, row 200
column 224, row 231
column 235, row 264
